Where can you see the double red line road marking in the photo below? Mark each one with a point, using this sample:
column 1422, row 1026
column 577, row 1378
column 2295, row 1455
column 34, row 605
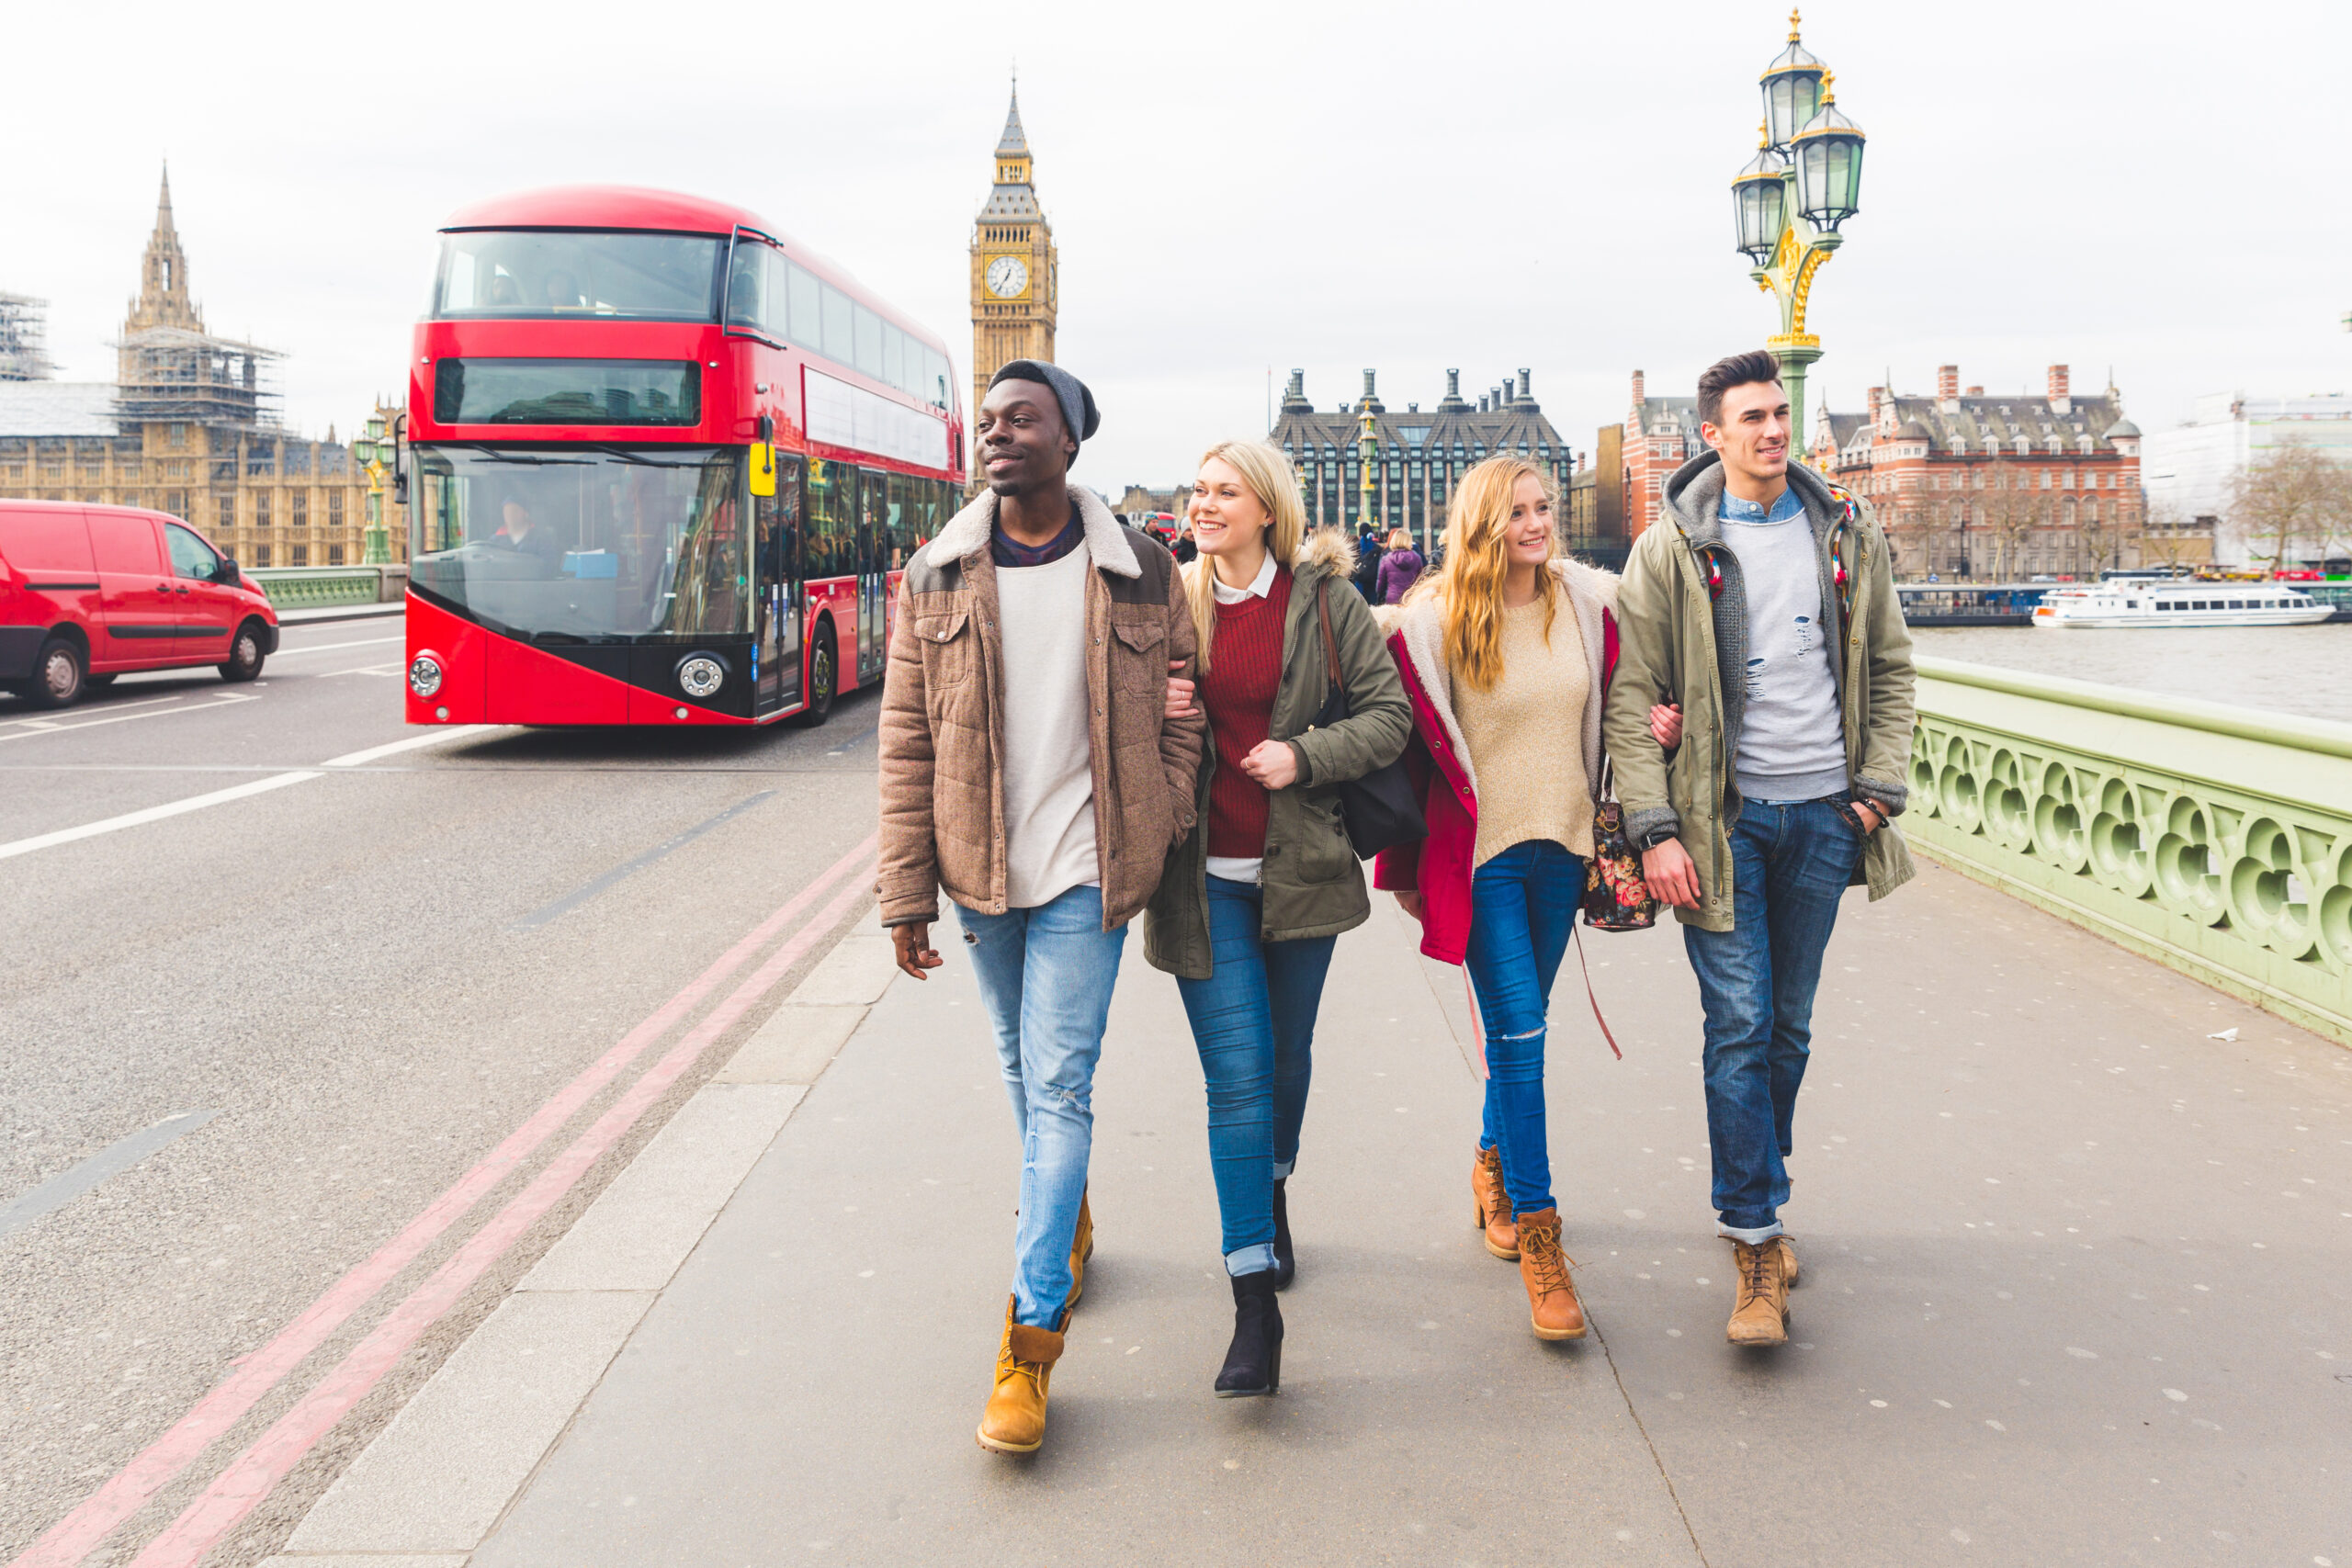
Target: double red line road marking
column 249, row 1477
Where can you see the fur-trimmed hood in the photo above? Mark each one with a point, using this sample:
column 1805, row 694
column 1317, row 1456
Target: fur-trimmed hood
column 1419, row 626
column 1326, row 549
column 1106, row 541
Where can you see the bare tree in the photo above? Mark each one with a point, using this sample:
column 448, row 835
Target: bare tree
column 2164, row 538
column 2107, row 535
column 2009, row 518
column 2288, row 503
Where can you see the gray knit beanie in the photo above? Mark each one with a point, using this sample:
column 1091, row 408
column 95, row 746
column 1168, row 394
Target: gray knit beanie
column 1078, row 414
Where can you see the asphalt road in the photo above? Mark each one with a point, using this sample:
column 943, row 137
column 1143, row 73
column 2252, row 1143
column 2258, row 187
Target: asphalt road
column 351, row 987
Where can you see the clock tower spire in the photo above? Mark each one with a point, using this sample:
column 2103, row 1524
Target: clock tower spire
column 1015, row 291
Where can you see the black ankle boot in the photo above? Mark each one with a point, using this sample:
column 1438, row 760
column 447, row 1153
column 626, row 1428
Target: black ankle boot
column 1286, row 1259
column 1253, row 1362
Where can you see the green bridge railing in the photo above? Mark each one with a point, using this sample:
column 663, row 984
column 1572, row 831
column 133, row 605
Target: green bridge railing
column 2216, row 839
column 320, row 587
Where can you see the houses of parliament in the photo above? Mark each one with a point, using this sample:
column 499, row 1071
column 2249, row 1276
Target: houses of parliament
column 190, row 426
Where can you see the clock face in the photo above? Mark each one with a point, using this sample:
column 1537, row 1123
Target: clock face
column 1008, row 279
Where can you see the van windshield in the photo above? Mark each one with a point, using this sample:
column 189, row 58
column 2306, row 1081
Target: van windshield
column 522, row 273
column 572, row 545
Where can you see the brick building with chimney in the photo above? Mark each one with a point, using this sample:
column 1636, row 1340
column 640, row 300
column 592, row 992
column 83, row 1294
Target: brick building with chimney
column 1661, row 435
column 2006, row 486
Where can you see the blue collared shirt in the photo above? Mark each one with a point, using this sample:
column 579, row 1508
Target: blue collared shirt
column 1788, row 507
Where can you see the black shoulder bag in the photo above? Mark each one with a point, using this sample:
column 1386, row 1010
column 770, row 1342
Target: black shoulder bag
column 1378, row 809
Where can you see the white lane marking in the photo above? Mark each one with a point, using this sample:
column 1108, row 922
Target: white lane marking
column 200, row 704
column 330, row 646
column 384, row 671
column 152, row 813
column 113, row 707
column 454, row 732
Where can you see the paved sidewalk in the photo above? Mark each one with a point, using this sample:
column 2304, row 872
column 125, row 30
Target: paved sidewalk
column 2079, row 1289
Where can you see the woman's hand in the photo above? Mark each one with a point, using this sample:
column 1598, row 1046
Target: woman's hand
column 1180, row 693
column 1409, row 900
column 1272, row 763
column 1666, row 724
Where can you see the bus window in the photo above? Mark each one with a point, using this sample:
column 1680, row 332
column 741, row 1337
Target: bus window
column 775, row 628
column 935, row 384
column 894, row 358
column 869, row 342
column 526, row 272
column 777, row 319
column 898, row 528
column 747, row 278
column 831, row 531
column 804, row 309
column 837, row 346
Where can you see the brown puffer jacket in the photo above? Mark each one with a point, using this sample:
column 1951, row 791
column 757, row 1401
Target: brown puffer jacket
column 943, row 721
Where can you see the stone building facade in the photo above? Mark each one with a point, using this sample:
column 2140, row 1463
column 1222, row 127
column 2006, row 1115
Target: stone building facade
column 1016, row 288
column 2006, row 486
column 189, row 427
column 1661, row 436
column 1418, row 457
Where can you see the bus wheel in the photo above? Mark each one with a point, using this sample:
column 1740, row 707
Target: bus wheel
column 244, row 658
column 58, row 674
column 820, row 682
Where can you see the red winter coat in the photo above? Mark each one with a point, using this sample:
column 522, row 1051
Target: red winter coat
column 1440, row 865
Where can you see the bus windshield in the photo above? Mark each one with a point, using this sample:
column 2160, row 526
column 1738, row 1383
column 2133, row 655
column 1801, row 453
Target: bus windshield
column 584, row 543
column 567, row 273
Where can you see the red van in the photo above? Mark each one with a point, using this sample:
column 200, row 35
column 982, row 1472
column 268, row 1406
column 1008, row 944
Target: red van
column 91, row 593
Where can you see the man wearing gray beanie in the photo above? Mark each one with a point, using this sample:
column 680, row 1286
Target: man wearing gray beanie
column 1022, row 712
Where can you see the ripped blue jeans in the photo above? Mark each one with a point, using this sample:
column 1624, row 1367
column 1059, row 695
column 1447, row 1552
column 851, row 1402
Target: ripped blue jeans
column 1046, row 976
column 1523, row 911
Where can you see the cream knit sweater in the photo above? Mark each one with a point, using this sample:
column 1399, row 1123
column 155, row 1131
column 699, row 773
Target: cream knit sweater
column 1524, row 738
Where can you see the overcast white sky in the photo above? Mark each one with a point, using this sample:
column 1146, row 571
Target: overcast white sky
column 1237, row 188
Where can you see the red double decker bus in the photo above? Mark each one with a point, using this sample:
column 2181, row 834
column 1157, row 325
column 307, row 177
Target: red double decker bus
column 663, row 466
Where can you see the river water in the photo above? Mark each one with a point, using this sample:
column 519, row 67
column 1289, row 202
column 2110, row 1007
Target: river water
column 2297, row 669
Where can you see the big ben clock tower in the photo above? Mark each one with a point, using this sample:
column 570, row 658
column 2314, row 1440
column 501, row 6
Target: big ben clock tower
column 1014, row 291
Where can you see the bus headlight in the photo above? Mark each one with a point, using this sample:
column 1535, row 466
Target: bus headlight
column 701, row 675
column 425, row 675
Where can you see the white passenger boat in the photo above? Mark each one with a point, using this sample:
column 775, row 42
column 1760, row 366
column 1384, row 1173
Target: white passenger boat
column 2183, row 603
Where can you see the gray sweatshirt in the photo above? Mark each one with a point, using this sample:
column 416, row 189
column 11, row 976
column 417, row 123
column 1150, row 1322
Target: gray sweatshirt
column 1790, row 744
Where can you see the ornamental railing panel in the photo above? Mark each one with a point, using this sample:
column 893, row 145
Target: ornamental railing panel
column 2215, row 839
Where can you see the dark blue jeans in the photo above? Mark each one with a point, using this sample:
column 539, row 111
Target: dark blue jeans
column 1253, row 1022
column 1523, row 911
column 1790, row 862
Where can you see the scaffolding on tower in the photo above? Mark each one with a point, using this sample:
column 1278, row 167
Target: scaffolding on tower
column 24, row 339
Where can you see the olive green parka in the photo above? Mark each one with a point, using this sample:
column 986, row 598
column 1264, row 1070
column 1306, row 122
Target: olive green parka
column 1313, row 883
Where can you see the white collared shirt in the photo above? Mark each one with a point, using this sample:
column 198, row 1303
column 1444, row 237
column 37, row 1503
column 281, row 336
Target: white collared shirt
column 1234, row 868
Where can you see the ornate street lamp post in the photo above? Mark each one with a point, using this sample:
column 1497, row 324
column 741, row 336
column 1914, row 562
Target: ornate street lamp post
column 1367, row 453
column 1789, row 200
column 377, row 453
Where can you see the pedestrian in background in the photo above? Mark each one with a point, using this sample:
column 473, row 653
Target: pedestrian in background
column 1400, row 569
column 1367, row 564
column 1505, row 653
column 1186, row 548
column 1253, row 901
column 1045, row 811
column 1763, row 637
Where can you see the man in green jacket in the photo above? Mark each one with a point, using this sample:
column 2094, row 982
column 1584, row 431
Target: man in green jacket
column 1758, row 616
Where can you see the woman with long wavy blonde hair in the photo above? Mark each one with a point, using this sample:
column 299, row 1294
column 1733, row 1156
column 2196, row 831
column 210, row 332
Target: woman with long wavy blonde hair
column 1505, row 650
column 1254, row 898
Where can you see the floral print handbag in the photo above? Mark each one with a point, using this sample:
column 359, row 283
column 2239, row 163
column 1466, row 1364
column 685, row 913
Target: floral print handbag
column 1616, row 897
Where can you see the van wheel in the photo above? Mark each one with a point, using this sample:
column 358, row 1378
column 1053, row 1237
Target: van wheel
column 821, row 683
column 244, row 654
column 58, row 674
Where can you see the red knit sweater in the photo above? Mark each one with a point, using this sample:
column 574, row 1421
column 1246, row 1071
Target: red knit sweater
column 1245, row 668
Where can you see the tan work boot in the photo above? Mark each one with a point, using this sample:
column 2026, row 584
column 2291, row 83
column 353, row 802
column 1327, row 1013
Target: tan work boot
column 1494, row 1207
column 1788, row 1259
column 1014, row 1421
column 1761, row 1313
column 1552, row 1305
column 1081, row 1247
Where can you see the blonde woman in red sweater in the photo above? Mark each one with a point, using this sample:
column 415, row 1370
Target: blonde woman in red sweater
column 1252, row 902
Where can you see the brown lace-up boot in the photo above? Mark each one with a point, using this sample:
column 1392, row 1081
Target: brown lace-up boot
column 1081, row 1247
column 1552, row 1305
column 1761, row 1313
column 1494, row 1207
column 1788, row 1259
column 1014, row 1421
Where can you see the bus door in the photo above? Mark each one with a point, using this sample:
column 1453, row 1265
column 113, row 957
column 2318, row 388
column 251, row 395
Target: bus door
column 873, row 540
column 778, row 610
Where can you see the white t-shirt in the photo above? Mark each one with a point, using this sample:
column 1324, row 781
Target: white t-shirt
column 1049, row 744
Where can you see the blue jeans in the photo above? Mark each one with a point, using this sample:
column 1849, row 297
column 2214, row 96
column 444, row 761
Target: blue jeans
column 1253, row 1022
column 1523, row 911
column 1046, row 976
column 1790, row 862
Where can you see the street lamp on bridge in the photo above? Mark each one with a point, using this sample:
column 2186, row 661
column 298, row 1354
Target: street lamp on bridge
column 377, row 453
column 1805, row 180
